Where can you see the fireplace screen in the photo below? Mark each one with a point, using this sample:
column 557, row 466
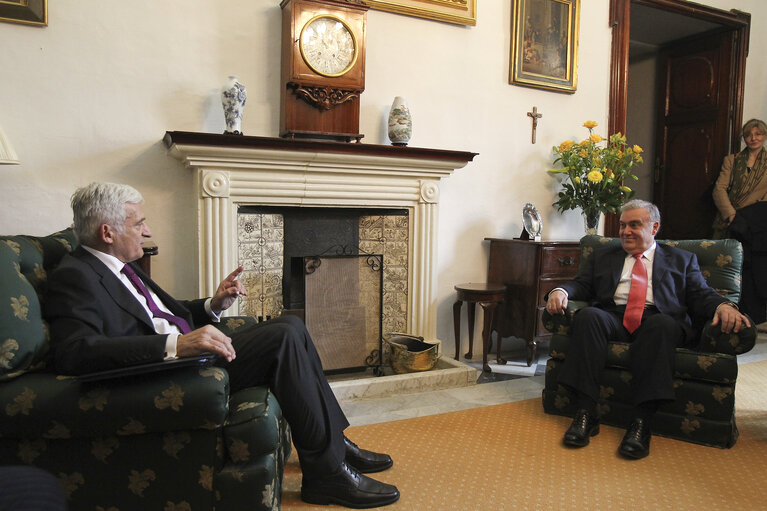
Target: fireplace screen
column 342, row 307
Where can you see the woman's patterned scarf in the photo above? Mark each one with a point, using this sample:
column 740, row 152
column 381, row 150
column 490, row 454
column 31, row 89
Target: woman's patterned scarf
column 743, row 180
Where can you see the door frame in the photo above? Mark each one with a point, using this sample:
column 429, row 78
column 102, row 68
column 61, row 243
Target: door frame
column 620, row 21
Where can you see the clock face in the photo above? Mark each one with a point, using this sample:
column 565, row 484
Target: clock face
column 328, row 46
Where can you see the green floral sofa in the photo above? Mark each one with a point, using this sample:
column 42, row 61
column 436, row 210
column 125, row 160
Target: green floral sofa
column 704, row 379
column 175, row 440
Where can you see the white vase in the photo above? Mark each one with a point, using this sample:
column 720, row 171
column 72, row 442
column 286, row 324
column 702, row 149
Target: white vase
column 233, row 98
column 400, row 122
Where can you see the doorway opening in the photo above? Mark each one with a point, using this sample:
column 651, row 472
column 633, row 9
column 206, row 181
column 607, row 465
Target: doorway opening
column 677, row 90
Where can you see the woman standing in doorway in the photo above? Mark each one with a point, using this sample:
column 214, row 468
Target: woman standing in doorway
column 743, row 179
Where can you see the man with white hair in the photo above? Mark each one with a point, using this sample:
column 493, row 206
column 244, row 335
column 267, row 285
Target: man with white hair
column 105, row 313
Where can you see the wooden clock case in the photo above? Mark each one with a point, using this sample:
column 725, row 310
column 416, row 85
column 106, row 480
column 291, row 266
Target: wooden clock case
column 313, row 105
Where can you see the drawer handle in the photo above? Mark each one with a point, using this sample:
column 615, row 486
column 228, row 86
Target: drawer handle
column 566, row 261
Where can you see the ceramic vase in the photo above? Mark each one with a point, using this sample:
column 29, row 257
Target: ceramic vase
column 400, row 122
column 233, row 98
column 591, row 221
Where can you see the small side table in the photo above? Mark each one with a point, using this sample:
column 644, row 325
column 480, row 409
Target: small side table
column 488, row 296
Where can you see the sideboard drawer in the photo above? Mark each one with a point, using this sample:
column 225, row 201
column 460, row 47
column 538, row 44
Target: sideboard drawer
column 560, row 261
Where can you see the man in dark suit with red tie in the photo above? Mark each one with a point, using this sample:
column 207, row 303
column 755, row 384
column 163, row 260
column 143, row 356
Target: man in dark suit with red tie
column 105, row 313
column 645, row 294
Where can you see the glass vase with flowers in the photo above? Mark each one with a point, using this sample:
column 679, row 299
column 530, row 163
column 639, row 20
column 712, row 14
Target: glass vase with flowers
column 595, row 174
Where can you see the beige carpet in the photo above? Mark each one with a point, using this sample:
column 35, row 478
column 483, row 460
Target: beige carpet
column 510, row 457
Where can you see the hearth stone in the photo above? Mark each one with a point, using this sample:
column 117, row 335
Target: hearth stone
column 447, row 374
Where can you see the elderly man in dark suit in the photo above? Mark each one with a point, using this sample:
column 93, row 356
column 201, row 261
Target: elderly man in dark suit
column 105, row 313
column 645, row 294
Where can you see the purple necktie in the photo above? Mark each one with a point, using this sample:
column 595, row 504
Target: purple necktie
column 156, row 312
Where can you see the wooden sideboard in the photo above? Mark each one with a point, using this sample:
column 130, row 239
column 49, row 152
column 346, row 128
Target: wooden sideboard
column 529, row 269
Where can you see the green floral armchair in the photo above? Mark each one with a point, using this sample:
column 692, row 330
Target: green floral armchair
column 704, row 378
column 175, row 440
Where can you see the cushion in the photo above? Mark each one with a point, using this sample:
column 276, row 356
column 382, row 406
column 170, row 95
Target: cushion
column 23, row 339
column 24, row 265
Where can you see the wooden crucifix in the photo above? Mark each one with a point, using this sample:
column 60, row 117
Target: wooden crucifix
column 535, row 116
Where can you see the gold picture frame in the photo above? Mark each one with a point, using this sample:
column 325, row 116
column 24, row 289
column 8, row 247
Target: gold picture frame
column 28, row 12
column 544, row 44
column 460, row 12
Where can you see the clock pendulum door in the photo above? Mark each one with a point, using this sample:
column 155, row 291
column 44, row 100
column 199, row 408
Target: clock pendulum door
column 323, row 68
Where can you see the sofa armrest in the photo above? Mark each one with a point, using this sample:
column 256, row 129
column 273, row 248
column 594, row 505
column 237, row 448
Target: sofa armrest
column 560, row 323
column 44, row 405
column 713, row 340
column 253, row 427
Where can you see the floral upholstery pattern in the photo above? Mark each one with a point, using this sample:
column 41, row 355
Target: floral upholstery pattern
column 704, row 378
column 175, row 440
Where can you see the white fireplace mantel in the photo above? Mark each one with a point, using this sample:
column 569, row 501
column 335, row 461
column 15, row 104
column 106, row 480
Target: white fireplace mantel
column 233, row 171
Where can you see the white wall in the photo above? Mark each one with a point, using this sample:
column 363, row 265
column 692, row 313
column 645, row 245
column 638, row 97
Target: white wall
column 90, row 96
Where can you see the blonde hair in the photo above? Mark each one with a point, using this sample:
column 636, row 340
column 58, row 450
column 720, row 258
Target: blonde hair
column 754, row 123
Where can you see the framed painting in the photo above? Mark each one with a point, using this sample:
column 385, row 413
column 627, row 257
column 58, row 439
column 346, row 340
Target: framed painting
column 28, row 12
column 544, row 44
column 460, row 12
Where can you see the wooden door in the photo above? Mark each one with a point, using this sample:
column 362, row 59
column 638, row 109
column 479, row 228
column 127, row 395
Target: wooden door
column 693, row 133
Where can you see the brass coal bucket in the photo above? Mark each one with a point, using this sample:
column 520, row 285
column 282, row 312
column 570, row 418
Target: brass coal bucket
column 410, row 354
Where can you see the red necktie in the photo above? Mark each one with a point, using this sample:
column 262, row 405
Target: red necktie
column 156, row 312
column 637, row 295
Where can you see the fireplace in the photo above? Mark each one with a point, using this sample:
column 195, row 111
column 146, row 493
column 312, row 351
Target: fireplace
column 343, row 270
column 237, row 172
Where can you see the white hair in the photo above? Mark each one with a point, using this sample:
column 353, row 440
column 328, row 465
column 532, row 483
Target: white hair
column 101, row 203
column 649, row 206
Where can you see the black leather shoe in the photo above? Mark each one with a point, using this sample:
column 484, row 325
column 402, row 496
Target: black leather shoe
column 583, row 427
column 365, row 461
column 636, row 441
column 349, row 488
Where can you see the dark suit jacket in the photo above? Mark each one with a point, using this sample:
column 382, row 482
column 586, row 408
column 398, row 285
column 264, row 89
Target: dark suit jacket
column 679, row 288
column 97, row 324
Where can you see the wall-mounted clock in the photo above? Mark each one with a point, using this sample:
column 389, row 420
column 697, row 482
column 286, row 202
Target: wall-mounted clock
column 323, row 68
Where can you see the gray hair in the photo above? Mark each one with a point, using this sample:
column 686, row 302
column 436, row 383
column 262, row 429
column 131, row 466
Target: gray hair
column 754, row 123
column 643, row 204
column 101, row 203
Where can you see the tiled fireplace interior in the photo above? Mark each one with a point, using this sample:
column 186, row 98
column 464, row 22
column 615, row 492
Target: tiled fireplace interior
column 273, row 244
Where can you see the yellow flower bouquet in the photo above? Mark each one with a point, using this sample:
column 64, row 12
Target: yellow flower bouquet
column 595, row 175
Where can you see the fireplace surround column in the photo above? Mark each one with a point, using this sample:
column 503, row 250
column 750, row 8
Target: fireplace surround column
column 233, row 171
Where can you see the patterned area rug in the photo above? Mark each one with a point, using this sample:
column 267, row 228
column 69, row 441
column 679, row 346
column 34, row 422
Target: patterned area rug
column 510, row 456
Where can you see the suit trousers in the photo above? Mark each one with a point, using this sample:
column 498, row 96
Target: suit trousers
column 651, row 355
column 753, row 300
column 281, row 354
